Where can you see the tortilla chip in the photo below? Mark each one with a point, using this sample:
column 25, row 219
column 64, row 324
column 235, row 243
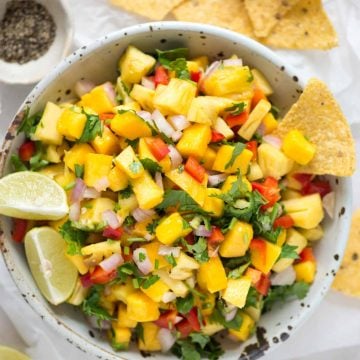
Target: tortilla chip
column 319, row 117
column 347, row 279
column 230, row 14
column 153, row 9
column 265, row 14
column 305, row 26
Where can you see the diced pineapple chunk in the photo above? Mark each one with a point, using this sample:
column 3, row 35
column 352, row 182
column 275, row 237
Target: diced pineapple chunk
column 121, row 292
column 254, row 120
column 122, row 319
column 147, row 192
column 106, row 143
column 298, row 148
column 144, row 96
column 129, row 163
column 307, row 211
column 211, row 275
column 261, row 82
column 313, row 234
column 211, row 328
column 130, row 125
column 101, row 249
column 96, row 167
column 212, row 204
column 156, row 291
column 184, row 267
column 151, row 341
column 194, row 141
column 98, row 99
column 237, row 240
column 223, row 128
column 117, row 179
column 65, row 179
column 236, row 291
column 78, row 261
column 52, row 170
column 141, row 308
column 77, row 155
column 255, row 172
column 202, row 61
column 223, row 159
column 46, row 130
column 270, row 123
column 134, row 64
column 171, row 228
column 245, row 330
column 176, row 286
column 127, row 205
column 273, row 162
column 71, row 124
column 175, row 98
column 288, row 194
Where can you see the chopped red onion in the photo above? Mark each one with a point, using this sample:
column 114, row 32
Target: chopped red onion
column 111, row 219
column 233, row 62
column 158, row 180
column 74, row 211
column 231, row 314
column 169, row 296
column 273, row 140
column 261, row 129
column 110, row 92
column 166, row 339
column 83, row 87
column 179, row 122
column 77, row 193
column 285, row 277
column 217, row 179
column 148, row 236
column 142, row 215
column 112, row 262
column 176, row 136
column 202, row 231
column 328, row 202
column 213, row 252
column 146, row 116
column 91, row 193
column 148, row 83
column 162, row 124
column 169, row 250
column 102, row 184
column 175, row 156
column 142, row 261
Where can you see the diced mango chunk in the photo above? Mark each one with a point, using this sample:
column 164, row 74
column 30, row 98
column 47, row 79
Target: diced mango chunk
column 209, row 158
column 106, row 143
column 118, row 180
column 212, row 204
column 211, row 275
column 121, row 337
column 245, row 330
column 151, row 341
column 224, row 156
column 122, row 319
column 129, row 163
column 71, row 124
column 156, row 291
column 96, row 167
column 298, row 148
column 270, row 123
column 77, row 155
column 305, row 271
column 152, row 250
column 130, row 125
column 98, row 99
column 236, row 291
column 264, row 259
column 141, row 308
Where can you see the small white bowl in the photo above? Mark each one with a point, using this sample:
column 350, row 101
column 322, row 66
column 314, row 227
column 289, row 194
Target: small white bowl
column 33, row 71
column 98, row 62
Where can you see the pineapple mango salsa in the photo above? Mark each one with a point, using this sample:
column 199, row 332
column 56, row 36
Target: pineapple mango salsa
column 183, row 207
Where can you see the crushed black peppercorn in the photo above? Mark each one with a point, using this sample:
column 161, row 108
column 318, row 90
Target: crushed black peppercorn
column 27, row 31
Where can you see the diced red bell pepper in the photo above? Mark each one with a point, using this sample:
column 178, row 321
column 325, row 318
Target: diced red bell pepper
column 258, row 95
column 254, row 274
column 190, row 238
column 307, row 255
column 216, row 236
column 161, row 76
column 27, row 150
column 237, row 120
column 193, row 167
column 285, row 222
column 252, row 146
column 100, row 276
column 111, row 233
column 321, row 187
column 259, row 245
column 269, row 189
column 158, row 148
column 195, row 76
column 167, row 319
column 184, row 328
column 19, row 229
column 216, row 136
column 106, row 116
column 192, row 318
column 263, row 285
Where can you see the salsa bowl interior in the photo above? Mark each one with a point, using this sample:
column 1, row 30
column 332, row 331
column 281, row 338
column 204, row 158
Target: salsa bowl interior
column 98, row 62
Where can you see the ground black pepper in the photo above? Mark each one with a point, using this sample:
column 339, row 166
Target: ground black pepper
column 27, row 31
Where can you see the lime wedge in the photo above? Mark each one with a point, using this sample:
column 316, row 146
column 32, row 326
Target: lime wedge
column 53, row 272
column 11, row 354
column 33, row 196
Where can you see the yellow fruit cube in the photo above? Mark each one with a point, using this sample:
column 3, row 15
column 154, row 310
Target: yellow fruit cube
column 306, row 211
column 127, row 205
column 273, row 162
column 77, row 155
column 281, row 238
column 195, row 141
column 270, row 123
column 121, row 336
column 305, row 271
column 71, row 124
column 236, row 291
column 264, row 259
column 121, row 292
column 147, row 192
column 122, row 319
column 255, row 172
column 144, row 96
column 176, row 286
column 313, row 234
column 211, row 276
column 134, row 64
column 98, row 99
column 117, row 179
column 223, row 159
column 254, row 120
column 46, row 130
column 245, row 330
column 175, row 98
column 151, row 341
column 128, row 162
column 152, row 250
column 296, row 147
column 145, row 153
column 228, row 183
column 209, row 157
column 130, row 125
column 201, row 61
column 223, row 128
column 228, row 80
column 288, row 194
column 65, row 179
column 156, row 291
column 171, row 228
column 260, row 82
column 141, row 308
column 192, row 66
column 237, row 240
column 78, row 261
column 184, row 267
column 207, row 304
column 106, row 143
column 96, row 167
column 212, row 204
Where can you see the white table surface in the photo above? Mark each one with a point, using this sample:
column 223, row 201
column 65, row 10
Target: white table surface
column 333, row 331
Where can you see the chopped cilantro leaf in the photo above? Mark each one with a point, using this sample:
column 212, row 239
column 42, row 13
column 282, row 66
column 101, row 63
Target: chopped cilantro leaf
column 142, row 257
column 151, row 228
column 17, row 164
column 126, row 193
column 184, row 305
column 288, row 252
column 237, row 272
column 29, row 123
column 151, row 166
column 139, row 331
column 129, row 221
column 92, row 128
column 238, row 149
column 198, row 250
column 235, row 262
column 275, row 111
column 237, row 108
column 150, row 280
column 218, row 317
column 73, row 237
column 252, row 297
column 36, row 161
column 170, row 259
column 91, row 305
column 79, row 170
column 167, row 56
column 250, row 77
column 133, row 143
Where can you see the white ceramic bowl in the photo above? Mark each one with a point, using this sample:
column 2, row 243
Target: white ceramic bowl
column 98, row 62
column 35, row 70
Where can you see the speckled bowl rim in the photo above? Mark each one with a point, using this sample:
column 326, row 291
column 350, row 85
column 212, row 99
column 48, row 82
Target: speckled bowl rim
column 66, row 332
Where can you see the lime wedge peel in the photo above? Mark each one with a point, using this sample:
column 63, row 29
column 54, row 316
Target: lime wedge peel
column 33, row 196
column 54, row 274
column 7, row 353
